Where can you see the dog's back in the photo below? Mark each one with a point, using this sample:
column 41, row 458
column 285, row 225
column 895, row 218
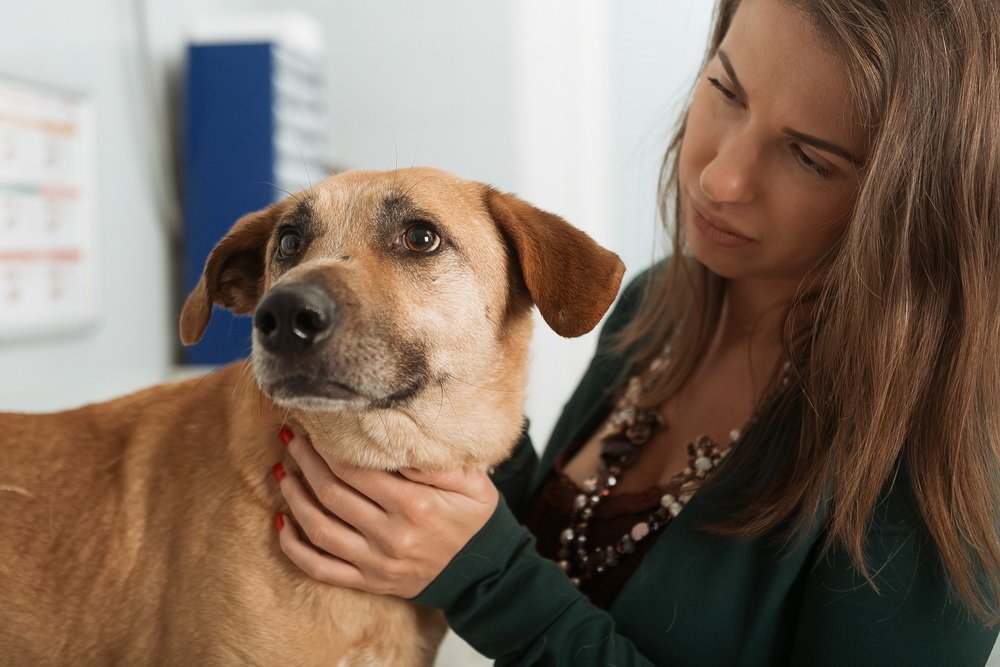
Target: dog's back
column 84, row 506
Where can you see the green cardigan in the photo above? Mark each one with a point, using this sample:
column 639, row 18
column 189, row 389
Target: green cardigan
column 697, row 599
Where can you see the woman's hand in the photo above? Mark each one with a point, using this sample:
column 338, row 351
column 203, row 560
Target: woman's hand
column 391, row 533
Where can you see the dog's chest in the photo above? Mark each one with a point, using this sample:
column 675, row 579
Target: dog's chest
column 260, row 609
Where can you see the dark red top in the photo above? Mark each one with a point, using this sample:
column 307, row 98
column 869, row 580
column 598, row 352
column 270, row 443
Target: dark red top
column 613, row 517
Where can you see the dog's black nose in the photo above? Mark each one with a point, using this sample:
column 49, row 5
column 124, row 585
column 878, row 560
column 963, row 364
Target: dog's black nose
column 293, row 318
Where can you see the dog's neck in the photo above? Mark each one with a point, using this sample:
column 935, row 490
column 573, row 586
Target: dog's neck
column 458, row 426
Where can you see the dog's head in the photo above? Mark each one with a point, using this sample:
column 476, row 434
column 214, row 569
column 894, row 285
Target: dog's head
column 373, row 290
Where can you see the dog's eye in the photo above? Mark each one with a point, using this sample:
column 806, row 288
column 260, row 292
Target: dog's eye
column 421, row 238
column 289, row 243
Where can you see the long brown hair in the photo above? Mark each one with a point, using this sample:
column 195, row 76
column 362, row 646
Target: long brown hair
column 895, row 369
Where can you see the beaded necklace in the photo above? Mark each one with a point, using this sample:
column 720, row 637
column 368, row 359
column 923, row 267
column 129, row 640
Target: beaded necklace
column 622, row 437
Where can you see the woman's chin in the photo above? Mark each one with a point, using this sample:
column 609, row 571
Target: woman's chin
column 717, row 260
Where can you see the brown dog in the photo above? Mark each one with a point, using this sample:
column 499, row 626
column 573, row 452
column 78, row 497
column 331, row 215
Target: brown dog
column 392, row 318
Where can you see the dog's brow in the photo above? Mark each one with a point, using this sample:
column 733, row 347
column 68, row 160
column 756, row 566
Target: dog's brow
column 302, row 215
column 397, row 208
column 397, row 205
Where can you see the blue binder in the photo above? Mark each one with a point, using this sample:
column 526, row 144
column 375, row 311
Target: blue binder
column 229, row 129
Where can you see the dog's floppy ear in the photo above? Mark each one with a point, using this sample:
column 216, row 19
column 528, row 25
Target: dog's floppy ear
column 233, row 275
column 571, row 279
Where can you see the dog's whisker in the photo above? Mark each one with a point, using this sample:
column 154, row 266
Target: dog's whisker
column 385, row 428
column 476, row 386
column 440, row 404
column 296, row 196
column 239, row 384
column 413, row 186
column 305, row 165
column 203, row 377
column 284, row 418
column 459, row 420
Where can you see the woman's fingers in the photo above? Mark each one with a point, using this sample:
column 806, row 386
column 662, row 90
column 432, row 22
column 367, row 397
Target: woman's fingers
column 326, row 532
column 471, row 483
column 409, row 525
column 328, row 569
column 336, row 496
column 392, row 492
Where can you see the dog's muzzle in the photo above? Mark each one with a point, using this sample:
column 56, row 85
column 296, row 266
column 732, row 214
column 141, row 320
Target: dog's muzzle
column 293, row 319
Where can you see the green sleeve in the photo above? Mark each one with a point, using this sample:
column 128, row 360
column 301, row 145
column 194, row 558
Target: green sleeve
column 513, row 477
column 518, row 608
column 910, row 620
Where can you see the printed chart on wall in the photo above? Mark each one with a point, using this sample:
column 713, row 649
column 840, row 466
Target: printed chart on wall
column 47, row 266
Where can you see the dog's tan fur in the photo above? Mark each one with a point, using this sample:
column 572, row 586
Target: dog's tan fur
column 138, row 531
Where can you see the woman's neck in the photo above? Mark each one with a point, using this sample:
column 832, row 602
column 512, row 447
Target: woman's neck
column 752, row 313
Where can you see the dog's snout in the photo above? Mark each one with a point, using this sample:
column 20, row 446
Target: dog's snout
column 293, row 318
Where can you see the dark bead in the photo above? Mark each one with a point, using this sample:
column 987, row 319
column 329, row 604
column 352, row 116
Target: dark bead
column 625, row 545
column 639, row 433
column 617, row 449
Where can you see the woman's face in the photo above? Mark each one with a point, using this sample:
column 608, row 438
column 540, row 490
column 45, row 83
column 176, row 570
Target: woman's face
column 771, row 149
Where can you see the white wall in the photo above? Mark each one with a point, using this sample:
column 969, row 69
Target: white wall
column 656, row 50
column 598, row 85
column 91, row 47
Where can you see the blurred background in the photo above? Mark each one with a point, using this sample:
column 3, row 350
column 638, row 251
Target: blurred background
column 133, row 133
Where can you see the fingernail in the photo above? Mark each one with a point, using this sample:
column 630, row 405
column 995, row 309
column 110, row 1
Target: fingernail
column 278, row 471
column 286, row 435
column 279, row 521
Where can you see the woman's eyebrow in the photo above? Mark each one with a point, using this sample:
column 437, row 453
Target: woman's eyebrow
column 801, row 137
column 724, row 59
column 823, row 145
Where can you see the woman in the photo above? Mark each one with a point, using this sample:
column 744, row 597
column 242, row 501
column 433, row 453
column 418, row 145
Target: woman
column 828, row 334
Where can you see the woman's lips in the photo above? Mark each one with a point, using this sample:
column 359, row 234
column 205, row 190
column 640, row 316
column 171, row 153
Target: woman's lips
column 716, row 234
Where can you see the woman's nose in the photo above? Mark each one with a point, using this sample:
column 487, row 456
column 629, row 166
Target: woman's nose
column 729, row 178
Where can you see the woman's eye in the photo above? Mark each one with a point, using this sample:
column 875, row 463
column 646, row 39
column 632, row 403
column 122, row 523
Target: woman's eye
column 289, row 243
column 730, row 95
column 421, row 238
column 809, row 163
